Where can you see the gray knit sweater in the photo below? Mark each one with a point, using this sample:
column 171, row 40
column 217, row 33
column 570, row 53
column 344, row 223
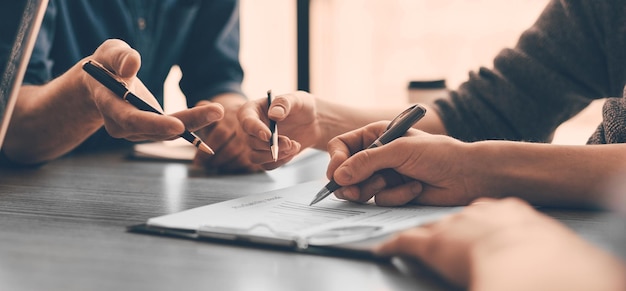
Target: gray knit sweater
column 574, row 53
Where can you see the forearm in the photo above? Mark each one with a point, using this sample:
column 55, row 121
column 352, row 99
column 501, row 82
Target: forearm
column 335, row 119
column 50, row 120
column 545, row 174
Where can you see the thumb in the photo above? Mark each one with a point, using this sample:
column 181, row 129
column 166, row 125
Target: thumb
column 117, row 56
column 281, row 107
column 291, row 103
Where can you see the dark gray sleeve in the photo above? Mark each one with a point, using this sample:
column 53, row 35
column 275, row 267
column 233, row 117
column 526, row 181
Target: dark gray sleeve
column 573, row 54
column 210, row 63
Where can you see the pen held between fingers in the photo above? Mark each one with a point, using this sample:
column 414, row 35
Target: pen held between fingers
column 118, row 86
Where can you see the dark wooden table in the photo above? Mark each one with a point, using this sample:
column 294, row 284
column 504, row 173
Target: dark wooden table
column 63, row 227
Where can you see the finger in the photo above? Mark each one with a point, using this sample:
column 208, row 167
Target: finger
column 260, row 152
column 379, row 181
column 355, row 140
column 280, row 162
column 372, row 186
column 482, row 201
column 343, row 146
column 284, row 104
column 117, row 56
column 406, row 243
column 363, row 164
column 257, row 144
column 200, row 116
column 122, row 120
column 337, row 157
column 399, row 195
column 352, row 193
column 262, row 155
column 365, row 190
column 252, row 121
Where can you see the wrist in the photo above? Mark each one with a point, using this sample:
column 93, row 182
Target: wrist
column 483, row 171
column 333, row 119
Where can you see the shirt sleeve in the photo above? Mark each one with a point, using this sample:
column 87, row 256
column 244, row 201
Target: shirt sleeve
column 573, row 54
column 39, row 70
column 10, row 20
column 210, row 61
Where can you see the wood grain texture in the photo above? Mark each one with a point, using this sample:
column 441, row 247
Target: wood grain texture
column 63, row 227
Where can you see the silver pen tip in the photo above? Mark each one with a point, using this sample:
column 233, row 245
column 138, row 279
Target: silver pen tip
column 320, row 196
column 274, row 150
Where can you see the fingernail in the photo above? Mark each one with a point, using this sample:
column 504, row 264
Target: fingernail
column 277, row 111
column 215, row 115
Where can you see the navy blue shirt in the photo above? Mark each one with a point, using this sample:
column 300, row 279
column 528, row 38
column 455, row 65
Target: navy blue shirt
column 201, row 36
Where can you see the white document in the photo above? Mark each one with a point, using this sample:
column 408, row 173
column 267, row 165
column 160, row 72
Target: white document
column 284, row 216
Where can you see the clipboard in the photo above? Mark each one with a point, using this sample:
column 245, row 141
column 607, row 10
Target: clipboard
column 283, row 220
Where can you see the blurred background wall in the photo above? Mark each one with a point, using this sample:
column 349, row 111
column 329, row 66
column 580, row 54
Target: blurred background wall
column 364, row 52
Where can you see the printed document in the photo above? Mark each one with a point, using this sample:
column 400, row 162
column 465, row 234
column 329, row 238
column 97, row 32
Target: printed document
column 285, row 215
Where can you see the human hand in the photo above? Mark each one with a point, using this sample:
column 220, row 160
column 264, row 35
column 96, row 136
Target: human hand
column 227, row 139
column 507, row 245
column 295, row 114
column 121, row 119
column 418, row 167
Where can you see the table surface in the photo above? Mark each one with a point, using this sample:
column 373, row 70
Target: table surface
column 64, row 228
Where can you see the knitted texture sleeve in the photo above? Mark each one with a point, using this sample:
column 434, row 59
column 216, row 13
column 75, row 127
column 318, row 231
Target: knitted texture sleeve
column 612, row 129
column 574, row 53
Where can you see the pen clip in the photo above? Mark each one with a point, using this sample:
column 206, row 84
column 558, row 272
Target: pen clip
column 108, row 72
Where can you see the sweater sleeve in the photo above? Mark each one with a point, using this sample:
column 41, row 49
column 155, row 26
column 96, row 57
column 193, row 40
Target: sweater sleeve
column 574, row 53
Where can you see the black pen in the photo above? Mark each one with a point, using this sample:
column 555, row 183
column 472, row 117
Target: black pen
column 273, row 129
column 118, row 86
column 397, row 128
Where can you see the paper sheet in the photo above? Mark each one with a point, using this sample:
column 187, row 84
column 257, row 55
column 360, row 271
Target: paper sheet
column 286, row 214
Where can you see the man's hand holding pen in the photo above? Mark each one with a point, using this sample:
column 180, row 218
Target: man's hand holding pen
column 123, row 120
column 296, row 120
column 432, row 169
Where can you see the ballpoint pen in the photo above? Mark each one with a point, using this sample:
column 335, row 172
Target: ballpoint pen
column 397, row 128
column 119, row 87
column 273, row 129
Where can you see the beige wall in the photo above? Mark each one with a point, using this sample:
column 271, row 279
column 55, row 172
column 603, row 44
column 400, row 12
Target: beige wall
column 364, row 52
column 268, row 46
column 368, row 50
